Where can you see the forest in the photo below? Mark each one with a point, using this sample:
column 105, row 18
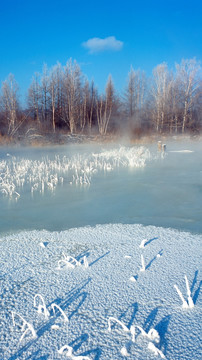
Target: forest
column 62, row 100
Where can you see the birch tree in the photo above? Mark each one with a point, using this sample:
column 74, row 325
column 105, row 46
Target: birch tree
column 134, row 96
column 160, row 94
column 174, row 104
column 72, row 87
column 34, row 98
column 130, row 93
column 91, row 105
column 59, row 103
column 44, row 93
column 10, row 102
column 187, row 73
column 84, row 106
column 53, row 91
column 105, row 106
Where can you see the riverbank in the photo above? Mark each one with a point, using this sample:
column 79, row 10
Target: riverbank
column 38, row 140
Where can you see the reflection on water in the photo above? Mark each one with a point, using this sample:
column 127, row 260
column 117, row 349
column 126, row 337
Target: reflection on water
column 128, row 185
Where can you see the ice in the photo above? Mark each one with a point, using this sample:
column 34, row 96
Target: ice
column 70, row 186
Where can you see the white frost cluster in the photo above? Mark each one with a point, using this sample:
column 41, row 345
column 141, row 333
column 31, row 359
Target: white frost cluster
column 189, row 303
column 45, row 174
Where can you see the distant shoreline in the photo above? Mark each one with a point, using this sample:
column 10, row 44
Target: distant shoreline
column 36, row 140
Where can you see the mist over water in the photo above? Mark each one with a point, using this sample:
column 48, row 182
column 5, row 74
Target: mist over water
column 111, row 184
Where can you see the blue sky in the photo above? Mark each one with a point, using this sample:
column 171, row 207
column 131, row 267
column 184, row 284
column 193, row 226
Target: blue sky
column 105, row 37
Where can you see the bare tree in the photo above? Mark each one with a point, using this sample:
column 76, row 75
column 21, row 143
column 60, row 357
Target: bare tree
column 9, row 101
column 44, row 93
column 130, row 93
column 34, row 98
column 105, row 106
column 160, row 94
column 60, row 96
column 134, row 96
column 174, row 108
column 53, row 90
column 187, row 73
column 72, row 88
column 84, row 105
column 92, row 99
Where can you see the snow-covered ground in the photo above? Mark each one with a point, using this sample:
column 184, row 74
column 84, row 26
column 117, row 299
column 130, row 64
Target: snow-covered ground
column 100, row 291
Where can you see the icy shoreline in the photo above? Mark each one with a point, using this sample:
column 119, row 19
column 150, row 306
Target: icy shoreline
column 108, row 284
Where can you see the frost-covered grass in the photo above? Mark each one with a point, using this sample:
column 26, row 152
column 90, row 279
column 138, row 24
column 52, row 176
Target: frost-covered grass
column 69, row 295
column 46, row 174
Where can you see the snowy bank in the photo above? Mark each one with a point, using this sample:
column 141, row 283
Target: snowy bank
column 104, row 292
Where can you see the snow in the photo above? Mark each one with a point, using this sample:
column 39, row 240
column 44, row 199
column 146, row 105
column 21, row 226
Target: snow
column 60, row 291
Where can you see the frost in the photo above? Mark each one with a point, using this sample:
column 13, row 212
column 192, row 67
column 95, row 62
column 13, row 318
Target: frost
column 189, row 303
column 143, row 264
column 143, row 242
column 55, row 306
column 99, row 313
column 41, row 308
column 46, row 175
column 71, row 262
column 23, row 325
column 155, row 350
column 68, row 351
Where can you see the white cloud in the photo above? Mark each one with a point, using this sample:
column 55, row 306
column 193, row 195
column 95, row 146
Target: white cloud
column 97, row 45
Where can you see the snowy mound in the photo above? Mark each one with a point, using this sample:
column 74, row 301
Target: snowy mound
column 108, row 292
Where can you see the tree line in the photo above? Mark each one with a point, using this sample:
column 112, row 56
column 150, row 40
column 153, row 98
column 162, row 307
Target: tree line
column 63, row 99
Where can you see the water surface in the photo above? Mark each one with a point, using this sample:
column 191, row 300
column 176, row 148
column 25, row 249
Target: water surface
column 166, row 192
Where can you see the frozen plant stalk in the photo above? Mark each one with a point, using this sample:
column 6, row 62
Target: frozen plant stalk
column 124, row 351
column 124, row 327
column 69, row 261
column 190, row 301
column 41, row 308
column 184, row 303
column 69, row 354
column 133, row 332
column 85, row 262
column 112, row 319
column 53, row 306
column 153, row 335
column 143, row 263
column 25, row 327
column 143, row 242
column 156, row 351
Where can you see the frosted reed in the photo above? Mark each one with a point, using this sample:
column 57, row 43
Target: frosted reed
column 189, row 303
column 124, row 351
column 69, row 353
column 155, row 350
column 72, row 262
column 41, row 308
column 152, row 335
column 143, row 242
column 53, row 306
column 25, row 327
column 45, row 174
column 143, row 263
column 112, row 319
column 184, row 303
column 69, row 261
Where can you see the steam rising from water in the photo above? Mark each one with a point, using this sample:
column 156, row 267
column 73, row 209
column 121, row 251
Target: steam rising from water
column 45, row 174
